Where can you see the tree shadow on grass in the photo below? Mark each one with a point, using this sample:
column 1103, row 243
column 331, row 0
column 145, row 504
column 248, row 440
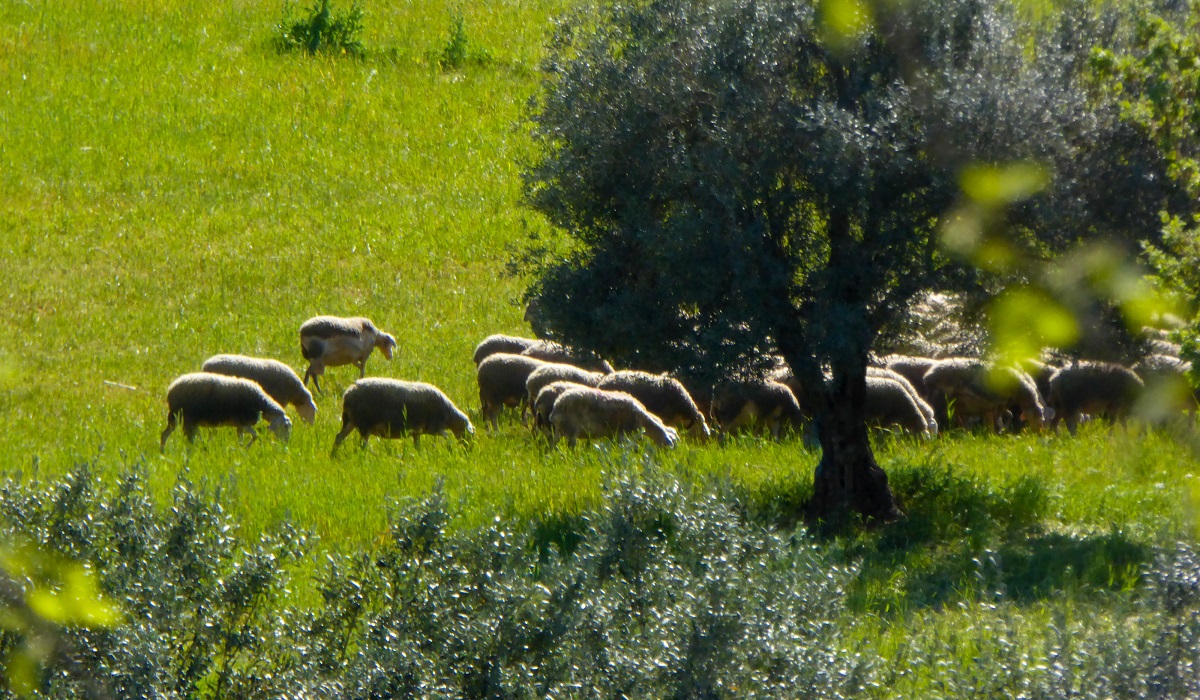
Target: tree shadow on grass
column 964, row 538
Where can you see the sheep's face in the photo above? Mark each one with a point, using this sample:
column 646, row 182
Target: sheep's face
column 308, row 412
column 282, row 427
column 386, row 344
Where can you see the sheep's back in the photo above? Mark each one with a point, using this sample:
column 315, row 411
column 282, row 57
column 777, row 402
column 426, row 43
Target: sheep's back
column 662, row 396
column 205, row 398
column 326, row 327
column 500, row 343
column 277, row 379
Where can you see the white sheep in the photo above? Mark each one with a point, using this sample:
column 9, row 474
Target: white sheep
column 331, row 341
column 978, row 388
column 1097, row 388
column 592, row 413
column 543, row 403
column 913, row 369
column 554, row 372
column 204, row 399
column 501, row 343
column 918, row 400
column 277, row 379
column 745, row 403
column 551, row 351
column 501, row 378
column 391, row 408
column 889, row 402
column 663, row 396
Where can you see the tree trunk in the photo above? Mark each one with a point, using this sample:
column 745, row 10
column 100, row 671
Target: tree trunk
column 848, row 478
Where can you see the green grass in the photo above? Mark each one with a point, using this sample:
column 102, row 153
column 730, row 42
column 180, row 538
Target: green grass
column 172, row 188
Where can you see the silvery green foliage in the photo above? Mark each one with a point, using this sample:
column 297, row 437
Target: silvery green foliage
column 668, row 595
column 202, row 606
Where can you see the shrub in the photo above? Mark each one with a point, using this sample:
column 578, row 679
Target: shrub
column 666, row 593
column 322, row 30
column 459, row 50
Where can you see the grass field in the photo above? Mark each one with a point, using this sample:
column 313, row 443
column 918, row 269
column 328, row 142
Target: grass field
column 172, row 187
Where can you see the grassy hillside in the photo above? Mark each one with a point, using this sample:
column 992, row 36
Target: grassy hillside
column 172, row 187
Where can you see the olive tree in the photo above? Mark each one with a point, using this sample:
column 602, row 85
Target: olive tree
column 733, row 178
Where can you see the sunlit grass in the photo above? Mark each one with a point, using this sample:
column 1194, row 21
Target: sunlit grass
column 172, row 188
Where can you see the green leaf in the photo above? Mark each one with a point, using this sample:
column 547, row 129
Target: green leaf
column 1000, row 184
column 79, row 603
column 845, row 19
column 1025, row 320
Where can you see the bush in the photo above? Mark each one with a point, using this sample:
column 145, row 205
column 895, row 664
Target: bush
column 666, row 593
column 459, row 51
column 322, row 30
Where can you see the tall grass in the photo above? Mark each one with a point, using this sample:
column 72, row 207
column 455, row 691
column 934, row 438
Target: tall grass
column 172, row 186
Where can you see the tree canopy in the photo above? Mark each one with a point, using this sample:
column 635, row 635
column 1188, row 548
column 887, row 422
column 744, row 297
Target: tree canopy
column 736, row 178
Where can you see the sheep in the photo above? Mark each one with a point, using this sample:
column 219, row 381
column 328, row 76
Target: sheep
column 277, row 379
column 501, row 378
column 918, row 400
column 551, row 351
column 889, row 402
column 661, row 395
column 331, row 341
column 1098, row 388
column 913, row 369
column 391, row 408
column 1167, row 387
column 981, row 389
column 743, row 403
column 554, row 372
column 204, row 399
column 543, row 403
column 501, row 343
column 593, row 413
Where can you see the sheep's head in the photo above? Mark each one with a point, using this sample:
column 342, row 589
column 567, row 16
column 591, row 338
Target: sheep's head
column 282, row 427
column 307, row 411
column 386, row 343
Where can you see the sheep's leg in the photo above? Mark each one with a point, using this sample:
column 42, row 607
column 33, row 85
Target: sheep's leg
column 1072, row 423
column 248, row 429
column 315, row 369
column 189, row 429
column 171, row 422
column 347, row 427
column 417, row 440
column 362, row 368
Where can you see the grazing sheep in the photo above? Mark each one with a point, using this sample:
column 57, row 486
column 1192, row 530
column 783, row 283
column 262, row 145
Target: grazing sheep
column 918, row 400
column 203, row 399
column 543, row 403
column 980, row 389
column 277, row 379
column 553, row 372
column 391, row 408
column 889, row 402
column 745, row 403
column 1098, row 388
column 661, row 395
column 913, row 369
column 501, row 343
column 551, row 351
column 501, row 379
column 331, row 341
column 592, row 413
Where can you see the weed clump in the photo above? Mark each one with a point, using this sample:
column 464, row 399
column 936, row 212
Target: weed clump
column 461, row 51
column 322, row 29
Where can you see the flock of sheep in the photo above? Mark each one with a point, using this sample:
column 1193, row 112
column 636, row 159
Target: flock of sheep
column 573, row 394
